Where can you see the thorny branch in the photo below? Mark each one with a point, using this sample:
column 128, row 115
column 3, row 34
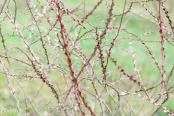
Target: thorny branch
column 97, row 58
